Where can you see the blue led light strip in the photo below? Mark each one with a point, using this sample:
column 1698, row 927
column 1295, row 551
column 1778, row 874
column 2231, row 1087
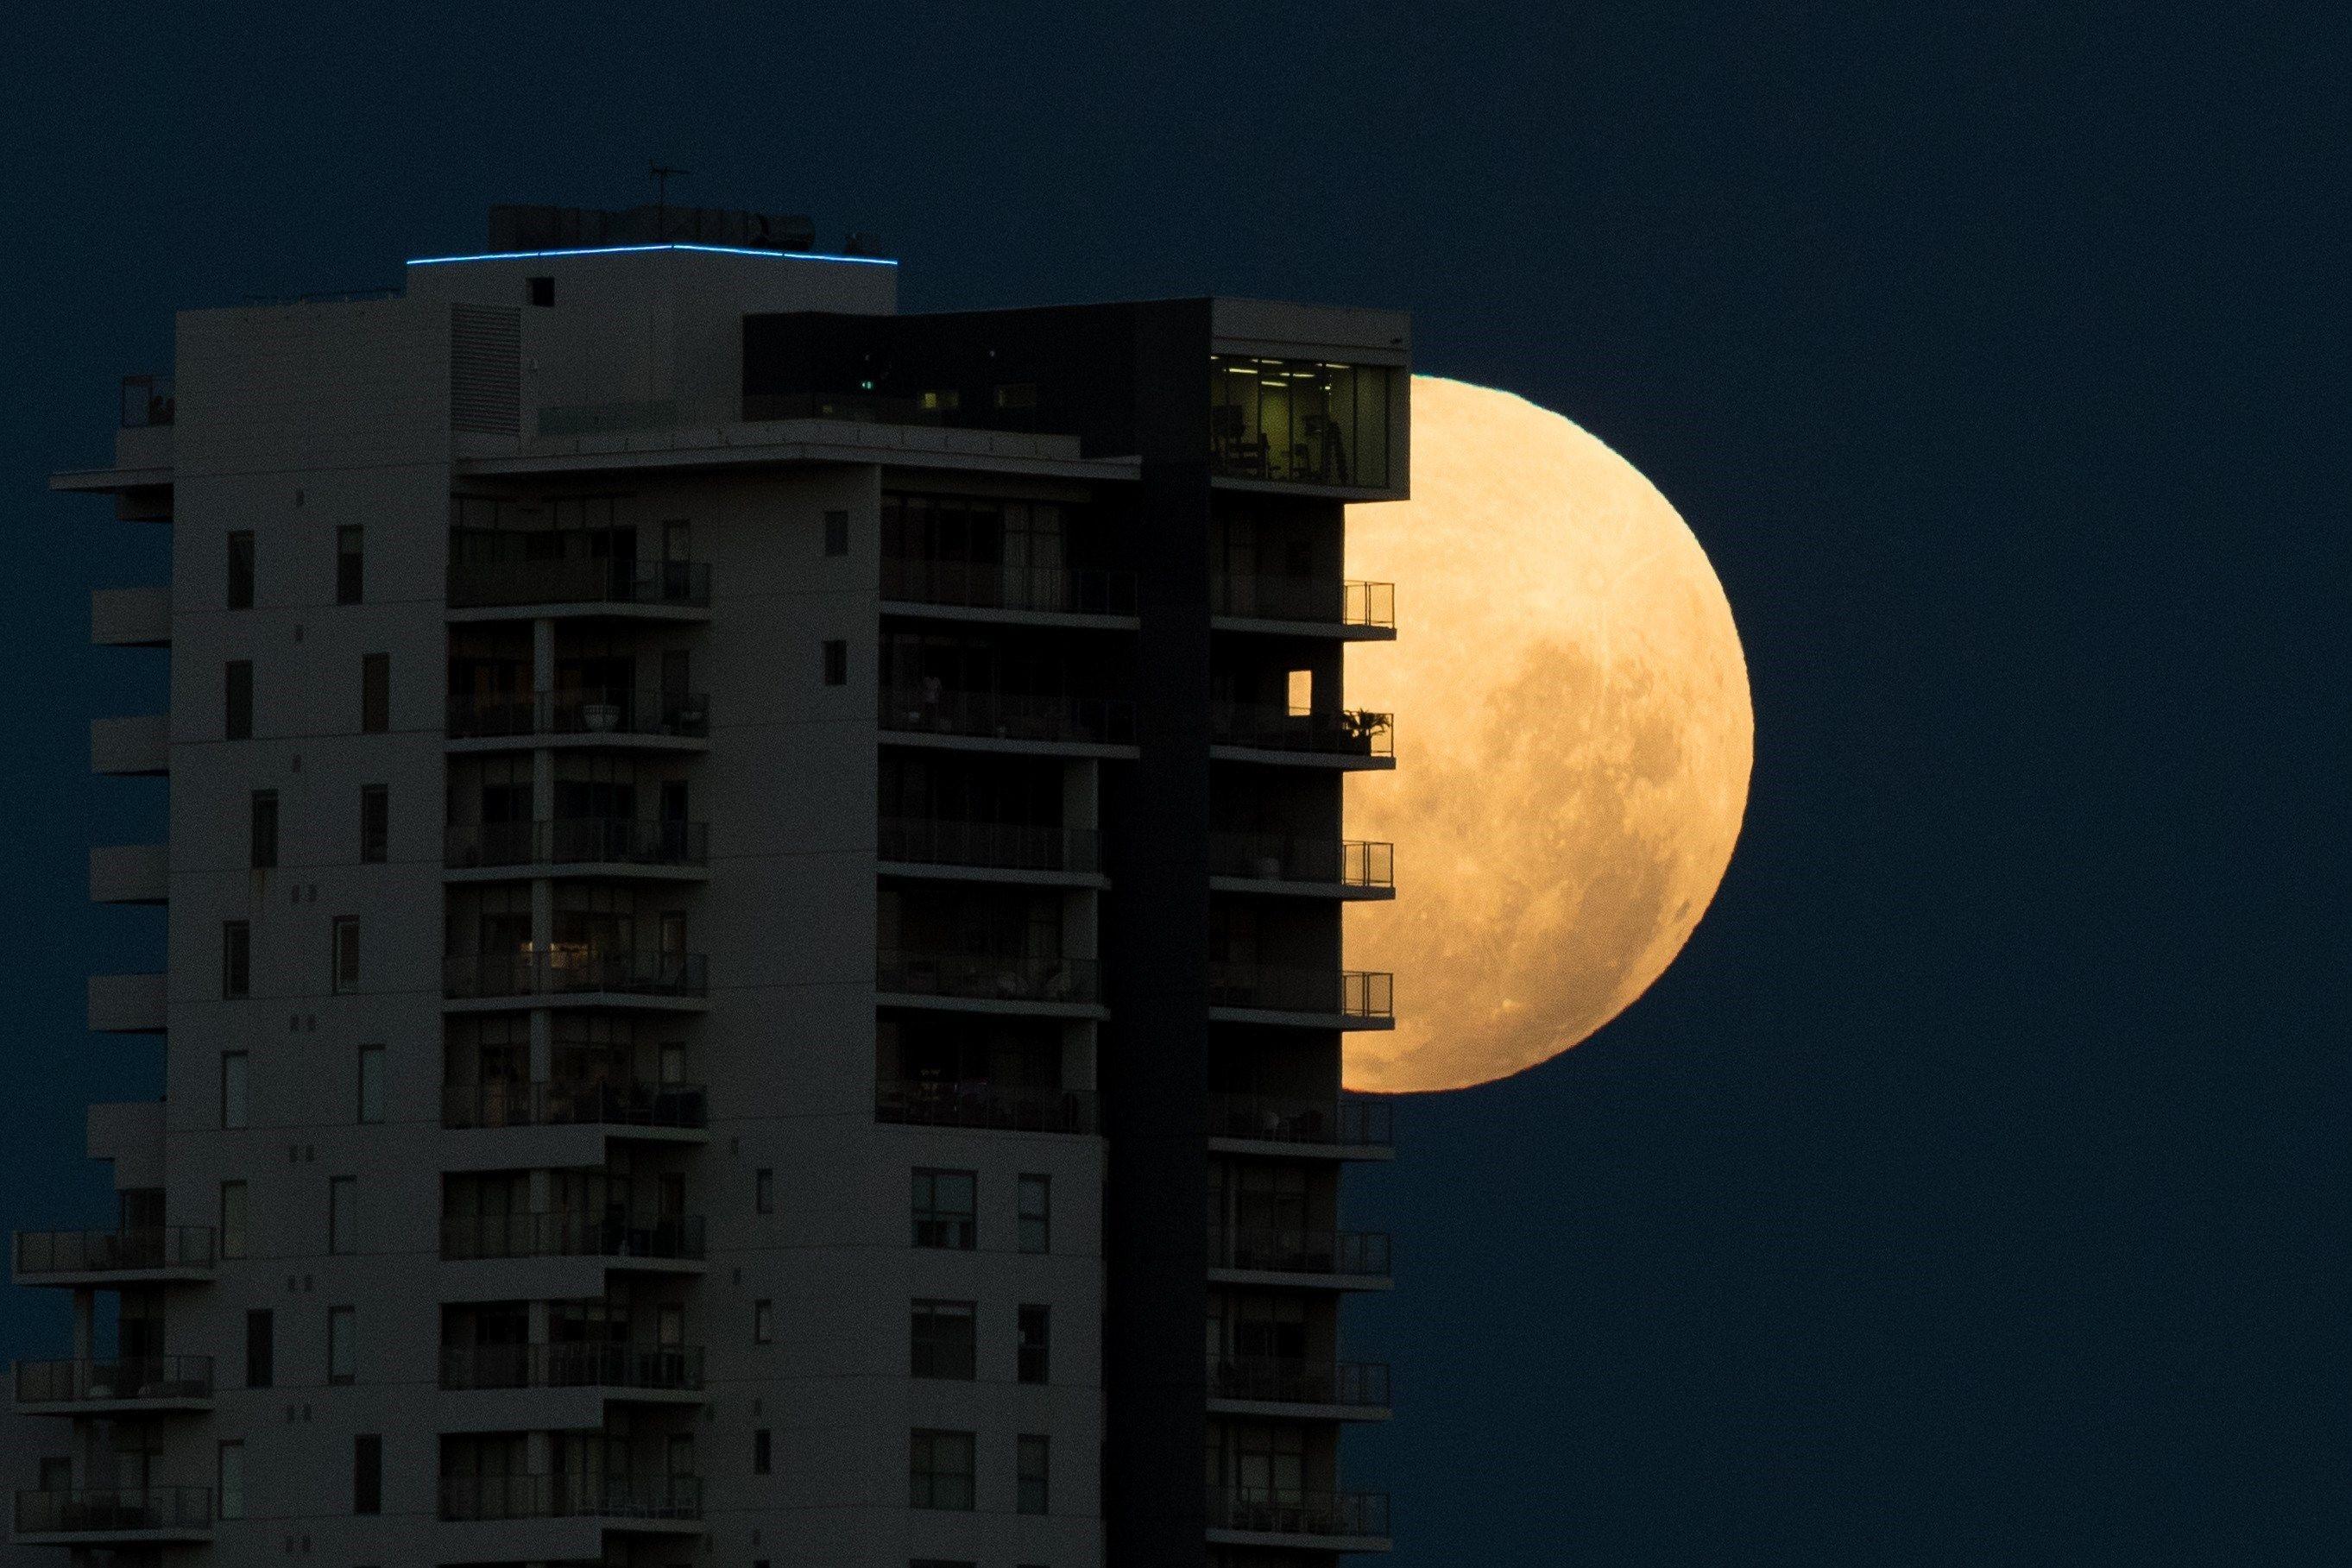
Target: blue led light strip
column 632, row 249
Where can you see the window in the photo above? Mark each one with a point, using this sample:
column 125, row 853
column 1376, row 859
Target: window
column 1035, row 1357
column 343, row 1214
column 232, row 1091
column 836, row 663
column 240, row 569
column 1030, row 1497
column 942, row 1340
column 367, row 1473
column 1037, row 1213
column 375, row 823
column 376, row 692
column 371, row 1096
column 764, row 1322
column 236, row 960
column 260, row 1348
column 351, row 563
column 232, row 1219
column 346, row 976
column 263, row 836
column 236, row 720
column 947, row 1210
column 342, row 1355
column 837, row 533
column 763, row 1192
column 229, row 1474
column 543, row 291
column 762, row 1452
column 941, row 1469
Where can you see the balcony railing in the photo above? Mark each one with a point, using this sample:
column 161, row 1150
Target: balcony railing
column 1325, row 599
column 1273, row 857
column 1341, row 732
column 128, row 1377
column 684, row 1106
column 983, row 585
column 148, row 400
column 1280, row 1249
column 1001, row 846
column 114, row 1251
column 983, row 976
column 469, row 1498
column 968, row 1103
column 470, row 1238
column 1280, row 1510
column 89, row 1511
column 467, row 977
column 583, row 580
column 1351, row 1120
column 582, row 711
column 575, row 841
column 1274, row 987
column 654, row 1368
column 1282, row 1380
column 1009, row 715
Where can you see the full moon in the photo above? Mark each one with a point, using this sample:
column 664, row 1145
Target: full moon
column 1574, row 738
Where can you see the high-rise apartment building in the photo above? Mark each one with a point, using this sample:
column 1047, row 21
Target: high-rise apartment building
column 745, row 871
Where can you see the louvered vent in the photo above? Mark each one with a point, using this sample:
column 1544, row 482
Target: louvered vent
column 486, row 370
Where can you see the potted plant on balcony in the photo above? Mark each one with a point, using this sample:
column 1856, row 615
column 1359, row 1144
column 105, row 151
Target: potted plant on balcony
column 600, row 716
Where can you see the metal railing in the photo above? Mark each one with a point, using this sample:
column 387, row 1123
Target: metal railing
column 470, row 1237
column 986, row 976
column 126, row 1378
column 1283, row 1380
column 982, row 585
column 1008, row 716
column 1325, row 599
column 468, row 1499
column 580, row 711
column 114, row 1251
column 1281, row 1510
column 86, row 1511
column 1275, row 987
column 1351, row 1120
column 149, row 401
column 1002, row 846
column 969, row 1103
column 467, row 976
column 656, row 1368
column 578, row 579
column 633, row 1103
column 1339, row 732
column 575, row 841
column 1281, row 1249
column 1275, row 857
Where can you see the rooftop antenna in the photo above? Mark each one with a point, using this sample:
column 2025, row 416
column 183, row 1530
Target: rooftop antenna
column 661, row 174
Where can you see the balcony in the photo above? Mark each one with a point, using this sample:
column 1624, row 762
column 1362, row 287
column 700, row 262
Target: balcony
column 1353, row 1125
column 622, row 1501
column 993, row 1107
column 127, row 1386
column 130, row 874
column 1280, row 1516
column 1362, row 610
column 1323, row 998
column 582, row 584
column 665, row 1239
column 138, row 746
column 987, row 717
column 664, row 1107
column 149, row 402
column 992, row 586
column 988, row 846
column 141, row 1255
column 1351, row 737
column 653, row 979
column 1008, row 981
column 128, row 1003
column 1359, row 1387
column 1348, row 1258
column 1345, row 868
column 130, row 617
column 85, row 1516
column 586, row 716
column 620, row 1368
column 593, row 845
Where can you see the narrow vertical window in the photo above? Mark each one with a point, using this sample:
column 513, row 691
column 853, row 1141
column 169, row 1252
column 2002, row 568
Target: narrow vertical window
column 836, row 663
column 375, row 823
column 1036, row 1214
column 342, row 1346
column 233, row 1089
column 232, row 1219
column 371, row 1096
column 346, row 960
column 260, row 1348
column 764, row 1322
column 240, row 569
column 763, row 1192
column 351, row 564
column 343, row 1214
column 236, row 960
column 263, row 836
column 837, row 533
column 1035, row 1357
column 375, row 693
column 229, row 1473
column 1033, row 1451
column 236, row 712
column 367, row 1473
column 762, row 1451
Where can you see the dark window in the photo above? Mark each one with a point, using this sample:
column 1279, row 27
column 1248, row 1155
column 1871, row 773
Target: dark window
column 236, row 722
column 376, row 822
column 542, row 290
column 1035, row 1356
column 1037, row 1213
column 1031, row 1497
column 351, row 564
column 762, row 1452
column 342, row 1214
column 234, row 1067
column 947, row 1210
column 240, row 571
column 371, row 1096
column 836, row 663
column 941, row 1469
column 763, row 1192
column 764, row 1322
column 346, row 976
column 260, row 1348
column 367, row 1474
column 264, row 836
column 375, row 693
column 837, row 533
column 236, row 960
column 942, row 1340
column 343, row 1344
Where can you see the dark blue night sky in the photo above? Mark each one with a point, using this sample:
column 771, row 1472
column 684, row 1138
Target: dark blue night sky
column 1969, row 1193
